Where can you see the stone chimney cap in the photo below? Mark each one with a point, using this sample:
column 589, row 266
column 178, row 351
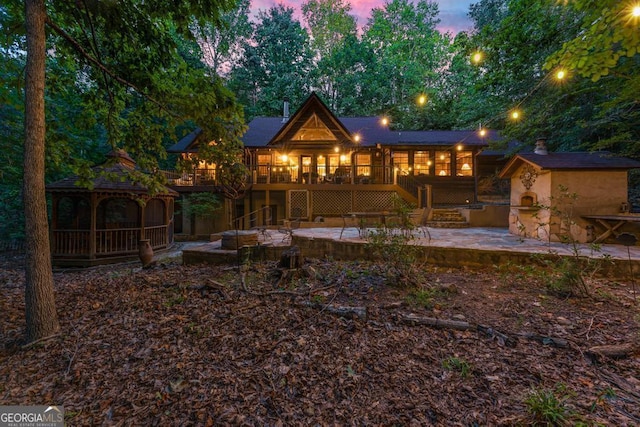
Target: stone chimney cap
column 541, row 147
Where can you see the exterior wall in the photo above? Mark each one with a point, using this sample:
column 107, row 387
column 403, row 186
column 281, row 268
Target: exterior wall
column 597, row 193
column 527, row 221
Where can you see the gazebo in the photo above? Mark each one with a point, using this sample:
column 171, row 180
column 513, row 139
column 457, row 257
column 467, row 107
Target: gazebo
column 105, row 224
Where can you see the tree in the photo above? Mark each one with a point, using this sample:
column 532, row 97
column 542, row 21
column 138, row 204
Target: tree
column 223, row 45
column 41, row 316
column 332, row 28
column 111, row 40
column 277, row 63
column 607, row 52
column 409, row 52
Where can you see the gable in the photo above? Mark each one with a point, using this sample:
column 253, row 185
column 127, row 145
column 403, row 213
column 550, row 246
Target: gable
column 314, row 130
column 312, row 125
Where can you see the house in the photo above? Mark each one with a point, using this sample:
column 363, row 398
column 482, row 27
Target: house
column 555, row 196
column 313, row 165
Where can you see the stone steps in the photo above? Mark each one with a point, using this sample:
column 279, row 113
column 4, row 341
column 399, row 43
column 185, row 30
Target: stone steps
column 447, row 218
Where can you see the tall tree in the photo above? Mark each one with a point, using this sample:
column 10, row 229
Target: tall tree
column 223, row 45
column 277, row 62
column 332, row 28
column 514, row 38
column 409, row 52
column 118, row 43
column 41, row 315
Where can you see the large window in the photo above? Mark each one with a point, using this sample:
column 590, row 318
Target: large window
column 464, row 163
column 363, row 165
column 421, row 163
column 401, row 162
column 443, row 163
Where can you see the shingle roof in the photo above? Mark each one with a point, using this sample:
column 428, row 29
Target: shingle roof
column 186, row 144
column 110, row 176
column 571, row 161
column 263, row 129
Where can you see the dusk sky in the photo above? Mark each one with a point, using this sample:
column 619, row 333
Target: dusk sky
column 453, row 13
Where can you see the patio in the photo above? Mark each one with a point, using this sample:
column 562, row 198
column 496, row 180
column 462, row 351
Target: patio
column 473, row 247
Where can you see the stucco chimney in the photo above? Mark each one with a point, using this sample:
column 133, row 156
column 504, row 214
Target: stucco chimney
column 285, row 112
column 541, row 147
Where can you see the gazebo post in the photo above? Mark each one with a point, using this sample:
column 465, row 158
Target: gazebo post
column 94, row 225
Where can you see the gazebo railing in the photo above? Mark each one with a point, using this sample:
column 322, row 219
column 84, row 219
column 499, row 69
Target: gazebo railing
column 157, row 236
column 70, row 242
column 112, row 241
column 117, row 241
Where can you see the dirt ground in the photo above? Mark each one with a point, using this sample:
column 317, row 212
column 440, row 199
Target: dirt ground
column 328, row 344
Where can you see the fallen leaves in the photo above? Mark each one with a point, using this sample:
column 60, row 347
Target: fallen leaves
column 176, row 345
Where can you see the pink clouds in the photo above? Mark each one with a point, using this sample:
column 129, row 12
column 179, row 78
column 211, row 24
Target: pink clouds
column 453, row 13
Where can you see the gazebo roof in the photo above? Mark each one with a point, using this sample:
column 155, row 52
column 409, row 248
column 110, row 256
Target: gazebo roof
column 111, row 176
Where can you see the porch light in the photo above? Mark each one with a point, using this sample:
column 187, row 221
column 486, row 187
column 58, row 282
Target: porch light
column 285, row 158
column 384, row 121
column 483, row 132
column 336, row 149
column 356, row 137
column 459, row 147
column 343, row 158
column 441, row 156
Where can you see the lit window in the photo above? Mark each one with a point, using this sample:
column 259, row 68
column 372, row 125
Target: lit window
column 443, row 163
column 464, row 163
column 401, row 162
column 363, row 165
column 421, row 162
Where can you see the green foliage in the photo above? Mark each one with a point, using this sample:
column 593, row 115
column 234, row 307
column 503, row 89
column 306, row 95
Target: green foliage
column 400, row 257
column 203, row 205
column 548, row 407
column 456, row 364
column 570, row 273
column 408, row 52
column 422, row 297
column 276, row 64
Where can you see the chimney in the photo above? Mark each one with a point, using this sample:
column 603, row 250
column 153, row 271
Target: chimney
column 285, row 112
column 541, row 147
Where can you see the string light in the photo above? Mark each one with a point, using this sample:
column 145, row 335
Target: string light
column 422, row 99
column 384, row 121
column 356, row 137
column 515, row 114
column 561, row 74
column 635, row 11
column 476, row 58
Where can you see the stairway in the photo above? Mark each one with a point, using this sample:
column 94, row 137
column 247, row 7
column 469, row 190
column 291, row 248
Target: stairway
column 447, row 218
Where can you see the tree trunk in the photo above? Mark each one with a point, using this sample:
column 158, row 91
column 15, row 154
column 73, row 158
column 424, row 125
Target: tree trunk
column 40, row 310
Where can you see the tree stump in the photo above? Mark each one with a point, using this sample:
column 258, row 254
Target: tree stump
column 291, row 258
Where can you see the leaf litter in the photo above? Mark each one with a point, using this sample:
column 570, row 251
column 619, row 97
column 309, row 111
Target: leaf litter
column 219, row 345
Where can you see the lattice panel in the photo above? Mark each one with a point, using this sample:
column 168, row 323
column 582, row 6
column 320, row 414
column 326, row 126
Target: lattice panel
column 331, row 202
column 372, row 200
column 448, row 197
column 298, row 204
